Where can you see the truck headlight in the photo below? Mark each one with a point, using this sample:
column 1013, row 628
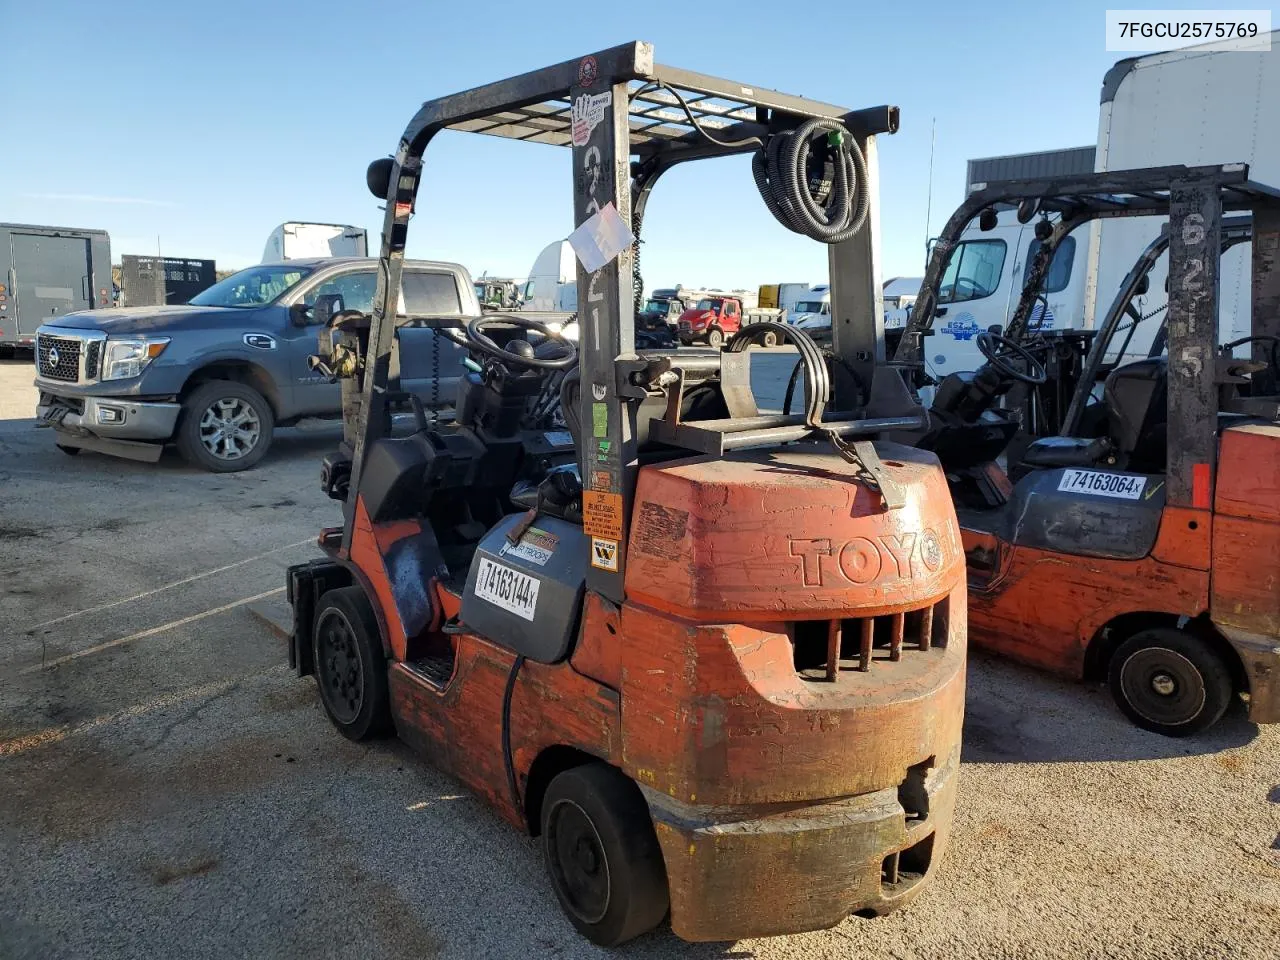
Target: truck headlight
column 128, row 358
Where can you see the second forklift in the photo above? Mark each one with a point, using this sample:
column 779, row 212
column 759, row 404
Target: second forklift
column 1140, row 544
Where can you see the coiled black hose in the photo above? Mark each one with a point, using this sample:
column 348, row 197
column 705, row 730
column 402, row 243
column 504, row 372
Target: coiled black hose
column 829, row 208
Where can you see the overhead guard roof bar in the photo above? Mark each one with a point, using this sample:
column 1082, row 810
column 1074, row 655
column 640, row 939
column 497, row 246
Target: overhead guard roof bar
column 535, row 106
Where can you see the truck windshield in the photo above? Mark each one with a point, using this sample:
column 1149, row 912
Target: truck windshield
column 811, row 306
column 252, row 287
column 709, row 304
column 655, row 306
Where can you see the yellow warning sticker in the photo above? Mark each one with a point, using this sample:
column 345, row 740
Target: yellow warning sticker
column 602, row 514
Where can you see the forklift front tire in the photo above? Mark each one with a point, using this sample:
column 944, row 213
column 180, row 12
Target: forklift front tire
column 602, row 854
column 1169, row 682
column 350, row 667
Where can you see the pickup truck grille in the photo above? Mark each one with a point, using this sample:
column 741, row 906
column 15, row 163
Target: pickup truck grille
column 58, row 358
column 92, row 357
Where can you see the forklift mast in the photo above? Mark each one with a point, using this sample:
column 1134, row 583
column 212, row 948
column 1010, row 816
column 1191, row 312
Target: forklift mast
column 627, row 121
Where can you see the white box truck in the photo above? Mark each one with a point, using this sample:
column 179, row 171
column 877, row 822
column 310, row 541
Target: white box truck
column 1194, row 107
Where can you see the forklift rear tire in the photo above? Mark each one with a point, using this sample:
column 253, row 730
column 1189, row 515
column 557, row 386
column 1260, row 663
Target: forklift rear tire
column 1169, row 682
column 602, row 855
column 715, row 338
column 350, row 667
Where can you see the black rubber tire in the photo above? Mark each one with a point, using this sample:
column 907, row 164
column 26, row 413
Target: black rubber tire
column 715, row 337
column 193, row 409
column 69, row 451
column 1198, row 679
column 635, row 877
column 770, row 339
column 372, row 718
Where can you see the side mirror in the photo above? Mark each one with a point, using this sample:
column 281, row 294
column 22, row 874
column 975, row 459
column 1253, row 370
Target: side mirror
column 1143, row 285
column 300, row 315
column 326, row 307
column 378, row 177
column 996, row 328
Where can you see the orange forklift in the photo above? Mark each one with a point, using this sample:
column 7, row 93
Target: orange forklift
column 713, row 657
column 1141, row 545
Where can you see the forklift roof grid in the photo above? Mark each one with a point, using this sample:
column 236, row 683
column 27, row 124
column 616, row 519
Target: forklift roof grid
column 1122, row 193
column 536, row 106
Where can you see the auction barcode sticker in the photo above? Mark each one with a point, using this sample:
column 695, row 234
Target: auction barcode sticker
column 1121, row 486
column 509, row 589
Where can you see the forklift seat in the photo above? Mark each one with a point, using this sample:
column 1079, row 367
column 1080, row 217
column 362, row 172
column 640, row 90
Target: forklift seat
column 1136, row 400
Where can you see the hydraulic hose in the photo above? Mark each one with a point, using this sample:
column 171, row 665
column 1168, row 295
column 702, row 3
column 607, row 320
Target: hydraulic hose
column 831, row 207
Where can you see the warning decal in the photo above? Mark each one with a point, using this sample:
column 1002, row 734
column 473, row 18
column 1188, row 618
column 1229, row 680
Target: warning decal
column 602, row 514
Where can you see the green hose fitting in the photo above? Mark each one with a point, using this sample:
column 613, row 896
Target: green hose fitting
column 835, row 138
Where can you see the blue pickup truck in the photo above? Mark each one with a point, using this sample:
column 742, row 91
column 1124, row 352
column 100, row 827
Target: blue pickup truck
column 216, row 376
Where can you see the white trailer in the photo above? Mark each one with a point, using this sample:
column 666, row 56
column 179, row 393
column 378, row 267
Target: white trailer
column 552, row 286
column 1192, row 107
column 303, row 241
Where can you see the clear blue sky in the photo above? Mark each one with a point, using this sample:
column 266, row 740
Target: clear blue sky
column 208, row 124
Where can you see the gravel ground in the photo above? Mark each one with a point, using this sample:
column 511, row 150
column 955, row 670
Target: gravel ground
column 168, row 789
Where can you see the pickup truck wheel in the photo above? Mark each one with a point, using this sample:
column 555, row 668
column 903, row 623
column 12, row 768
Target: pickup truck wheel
column 225, row 426
column 715, row 338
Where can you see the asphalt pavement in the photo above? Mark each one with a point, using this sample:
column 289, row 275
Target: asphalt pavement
column 169, row 790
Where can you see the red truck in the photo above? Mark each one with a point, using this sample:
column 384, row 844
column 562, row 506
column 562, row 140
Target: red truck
column 710, row 321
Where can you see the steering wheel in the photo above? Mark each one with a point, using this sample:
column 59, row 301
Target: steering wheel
column 481, row 342
column 962, row 288
column 997, row 349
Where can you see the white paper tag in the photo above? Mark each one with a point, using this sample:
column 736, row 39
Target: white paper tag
column 507, row 588
column 1118, row 486
column 601, row 237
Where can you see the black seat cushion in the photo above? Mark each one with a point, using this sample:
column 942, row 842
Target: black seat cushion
column 1066, row 451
